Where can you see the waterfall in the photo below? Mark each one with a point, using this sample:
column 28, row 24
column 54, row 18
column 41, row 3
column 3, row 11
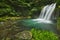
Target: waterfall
column 46, row 13
column 43, row 12
column 50, row 11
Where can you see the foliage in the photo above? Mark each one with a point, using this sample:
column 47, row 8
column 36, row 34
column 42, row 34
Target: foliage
column 43, row 35
column 23, row 7
column 2, row 19
column 58, row 24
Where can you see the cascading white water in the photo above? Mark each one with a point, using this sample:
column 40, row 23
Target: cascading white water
column 43, row 12
column 49, row 11
column 46, row 13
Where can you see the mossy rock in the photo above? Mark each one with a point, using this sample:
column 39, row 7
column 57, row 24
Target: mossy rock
column 26, row 35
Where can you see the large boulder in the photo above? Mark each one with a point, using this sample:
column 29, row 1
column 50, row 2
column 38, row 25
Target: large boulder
column 26, row 35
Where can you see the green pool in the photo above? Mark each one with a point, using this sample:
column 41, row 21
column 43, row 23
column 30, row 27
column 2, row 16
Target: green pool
column 29, row 23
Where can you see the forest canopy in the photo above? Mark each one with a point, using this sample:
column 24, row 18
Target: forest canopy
column 24, row 7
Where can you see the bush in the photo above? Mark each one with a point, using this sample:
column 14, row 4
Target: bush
column 43, row 35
